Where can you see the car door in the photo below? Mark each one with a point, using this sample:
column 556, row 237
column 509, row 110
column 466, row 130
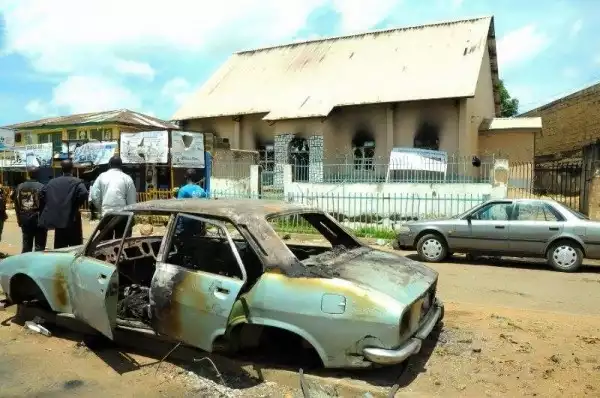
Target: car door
column 197, row 281
column 488, row 227
column 534, row 225
column 94, row 283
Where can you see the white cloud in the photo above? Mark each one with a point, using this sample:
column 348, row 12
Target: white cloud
column 521, row 45
column 79, row 40
column 576, row 28
column 357, row 16
column 81, row 94
column 36, row 107
column 56, row 38
column 134, row 68
column 177, row 90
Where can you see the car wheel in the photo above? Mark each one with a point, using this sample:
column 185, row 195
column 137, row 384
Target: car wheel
column 565, row 256
column 432, row 248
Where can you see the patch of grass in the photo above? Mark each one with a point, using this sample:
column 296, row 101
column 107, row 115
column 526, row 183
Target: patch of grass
column 377, row 233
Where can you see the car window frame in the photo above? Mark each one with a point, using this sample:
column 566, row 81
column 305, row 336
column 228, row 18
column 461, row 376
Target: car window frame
column 171, row 232
column 551, row 209
column 485, row 206
column 88, row 245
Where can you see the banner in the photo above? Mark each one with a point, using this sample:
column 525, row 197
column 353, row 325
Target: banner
column 7, row 139
column 145, row 147
column 418, row 159
column 187, row 149
column 37, row 155
column 94, row 153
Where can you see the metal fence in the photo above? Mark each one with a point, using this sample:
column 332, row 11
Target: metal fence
column 457, row 170
column 372, row 212
column 565, row 181
column 337, row 170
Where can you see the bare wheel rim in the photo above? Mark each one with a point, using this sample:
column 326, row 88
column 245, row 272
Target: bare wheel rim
column 565, row 256
column 432, row 248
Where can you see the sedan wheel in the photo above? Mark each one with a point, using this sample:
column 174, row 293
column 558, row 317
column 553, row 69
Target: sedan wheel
column 565, row 256
column 432, row 248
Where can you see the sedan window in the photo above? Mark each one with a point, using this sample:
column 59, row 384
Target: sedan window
column 535, row 211
column 500, row 211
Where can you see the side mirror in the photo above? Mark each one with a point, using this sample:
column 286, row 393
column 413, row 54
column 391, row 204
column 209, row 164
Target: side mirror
column 469, row 218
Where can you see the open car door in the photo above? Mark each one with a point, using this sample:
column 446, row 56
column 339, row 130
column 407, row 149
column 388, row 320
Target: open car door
column 196, row 282
column 95, row 279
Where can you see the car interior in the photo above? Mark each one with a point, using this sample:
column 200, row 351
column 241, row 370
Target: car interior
column 196, row 245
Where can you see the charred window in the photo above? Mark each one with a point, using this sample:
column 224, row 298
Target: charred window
column 105, row 243
column 335, row 237
column 427, row 137
column 267, row 163
column 299, row 158
column 363, row 147
column 201, row 245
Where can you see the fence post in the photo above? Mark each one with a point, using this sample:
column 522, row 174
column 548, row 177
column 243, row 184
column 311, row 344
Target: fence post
column 287, row 179
column 254, row 181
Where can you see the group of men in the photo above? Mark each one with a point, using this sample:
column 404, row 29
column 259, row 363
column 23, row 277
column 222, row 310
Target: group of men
column 55, row 205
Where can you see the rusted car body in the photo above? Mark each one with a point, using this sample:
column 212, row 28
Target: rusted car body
column 221, row 268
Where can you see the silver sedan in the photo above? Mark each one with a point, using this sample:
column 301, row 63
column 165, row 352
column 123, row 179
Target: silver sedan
column 515, row 228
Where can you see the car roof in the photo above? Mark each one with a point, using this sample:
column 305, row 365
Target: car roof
column 236, row 209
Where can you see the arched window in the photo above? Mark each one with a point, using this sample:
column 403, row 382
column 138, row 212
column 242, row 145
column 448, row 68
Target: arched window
column 299, row 158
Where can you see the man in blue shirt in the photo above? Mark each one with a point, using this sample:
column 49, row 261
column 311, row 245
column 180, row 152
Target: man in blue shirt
column 192, row 188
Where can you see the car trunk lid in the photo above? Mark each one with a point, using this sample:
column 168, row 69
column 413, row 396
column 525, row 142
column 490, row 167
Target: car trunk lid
column 401, row 278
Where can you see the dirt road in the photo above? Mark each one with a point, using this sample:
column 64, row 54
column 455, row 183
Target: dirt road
column 511, row 329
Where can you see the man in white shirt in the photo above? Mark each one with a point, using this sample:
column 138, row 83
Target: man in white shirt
column 113, row 190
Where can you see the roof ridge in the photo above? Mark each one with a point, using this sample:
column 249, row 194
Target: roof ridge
column 367, row 33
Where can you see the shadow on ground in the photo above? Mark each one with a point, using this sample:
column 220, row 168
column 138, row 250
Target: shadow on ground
column 231, row 372
column 510, row 262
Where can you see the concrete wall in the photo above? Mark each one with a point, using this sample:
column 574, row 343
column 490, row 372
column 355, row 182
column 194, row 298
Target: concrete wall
column 389, row 125
column 517, row 145
column 480, row 107
column 231, row 170
column 568, row 123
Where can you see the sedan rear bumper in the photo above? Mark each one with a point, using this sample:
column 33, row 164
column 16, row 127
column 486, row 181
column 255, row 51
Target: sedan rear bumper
column 410, row 347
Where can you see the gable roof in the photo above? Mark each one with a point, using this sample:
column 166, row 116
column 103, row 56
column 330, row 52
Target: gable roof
column 119, row 116
column 310, row 78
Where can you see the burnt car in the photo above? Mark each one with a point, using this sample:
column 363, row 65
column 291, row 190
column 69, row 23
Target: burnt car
column 220, row 273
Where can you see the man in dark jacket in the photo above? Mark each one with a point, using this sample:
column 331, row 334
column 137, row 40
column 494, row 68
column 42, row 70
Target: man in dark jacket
column 3, row 215
column 26, row 198
column 61, row 199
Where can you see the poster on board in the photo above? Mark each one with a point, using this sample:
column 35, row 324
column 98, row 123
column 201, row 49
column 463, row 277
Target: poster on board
column 94, row 153
column 187, row 149
column 7, row 139
column 37, row 155
column 145, row 147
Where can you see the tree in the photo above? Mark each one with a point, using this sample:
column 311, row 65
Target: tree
column 508, row 106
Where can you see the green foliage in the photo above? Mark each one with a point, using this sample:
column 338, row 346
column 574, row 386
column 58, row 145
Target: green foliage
column 508, row 106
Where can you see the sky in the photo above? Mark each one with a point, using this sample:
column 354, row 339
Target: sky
column 71, row 56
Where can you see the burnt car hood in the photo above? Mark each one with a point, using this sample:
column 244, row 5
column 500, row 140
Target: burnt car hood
column 401, row 278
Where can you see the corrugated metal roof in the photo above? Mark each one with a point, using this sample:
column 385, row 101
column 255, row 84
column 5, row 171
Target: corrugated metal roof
column 511, row 123
column 120, row 116
column 310, row 78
